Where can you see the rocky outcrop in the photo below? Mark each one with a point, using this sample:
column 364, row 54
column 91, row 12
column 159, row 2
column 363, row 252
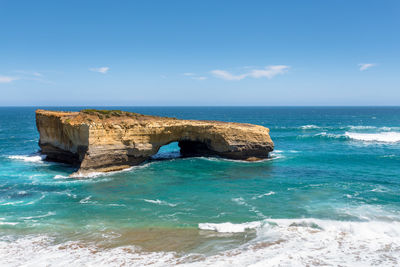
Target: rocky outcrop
column 110, row 140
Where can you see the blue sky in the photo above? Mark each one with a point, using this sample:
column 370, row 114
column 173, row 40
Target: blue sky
column 262, row 53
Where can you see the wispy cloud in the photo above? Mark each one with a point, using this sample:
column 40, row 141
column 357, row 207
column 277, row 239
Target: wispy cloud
column 223, row 74
column 268, row 72
column 102, row 70
column 365, row 66
column 29, row 73
column 24, row 75
column 7, row 79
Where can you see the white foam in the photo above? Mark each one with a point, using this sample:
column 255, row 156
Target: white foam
column 369, row 213
column 387, row 137
column 36, row 200
column 314, row 242
column 98, row 174
column 11, row 203
column 380, row 189
column 8, row 223
column 240, row 201
column 28, row 158
column 50, row 213
column 329, row 135
column 58, row 176
column 160, row 202
column 368, row 127
column 229, row 227
column 264, row 195
column 361, row 127
column 87, row 200
column 389, row 156
column 309, row 127
column 278, row 242
column 42, row 250
column 21, row 202
column 89, row 175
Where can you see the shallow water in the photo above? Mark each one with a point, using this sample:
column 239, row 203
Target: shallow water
column 329, row 194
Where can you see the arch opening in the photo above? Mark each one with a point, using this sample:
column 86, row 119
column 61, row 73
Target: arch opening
column 183, row 148
column 168, row 151
column 194, row 149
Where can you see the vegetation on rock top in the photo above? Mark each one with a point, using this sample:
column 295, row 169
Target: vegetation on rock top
column 109, row 113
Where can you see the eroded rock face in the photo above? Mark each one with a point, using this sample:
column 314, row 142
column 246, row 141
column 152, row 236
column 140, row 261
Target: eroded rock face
column 113, row 140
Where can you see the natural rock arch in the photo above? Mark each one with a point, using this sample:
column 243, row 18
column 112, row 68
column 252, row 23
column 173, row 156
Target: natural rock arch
column 113, row 140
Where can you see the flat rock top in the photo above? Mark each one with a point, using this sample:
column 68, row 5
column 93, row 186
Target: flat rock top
column 88, row 116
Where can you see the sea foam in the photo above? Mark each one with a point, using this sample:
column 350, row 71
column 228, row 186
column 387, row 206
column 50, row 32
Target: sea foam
column 309, row 127
column 310, row 242
column 229, row 227
column 278, row 242
column 98, row 174
column 386, row 137
column 159, row 202
column 28, row 158
column 37, row 250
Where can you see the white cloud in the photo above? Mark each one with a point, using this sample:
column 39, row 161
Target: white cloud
column 223, row 74
column 29, row 73
column 365, row 66
column 25, row 76
column 268, row 72
column 102, row 70
column 7, row 79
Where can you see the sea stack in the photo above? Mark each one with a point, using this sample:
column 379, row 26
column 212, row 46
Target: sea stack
column 111, row 140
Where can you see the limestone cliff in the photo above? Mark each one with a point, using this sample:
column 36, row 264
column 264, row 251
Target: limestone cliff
column 100, row 140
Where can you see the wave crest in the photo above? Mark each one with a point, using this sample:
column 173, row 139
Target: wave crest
column 28, row 158
column 229, row 227
column 385, row 137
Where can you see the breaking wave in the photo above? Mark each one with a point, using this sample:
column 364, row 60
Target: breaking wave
column 310, row 126
column 28, row 158
column 310, row 242
column 381, row 137
column 99, row 174
column 229, row 227
column 386, row 137
column 277, row 242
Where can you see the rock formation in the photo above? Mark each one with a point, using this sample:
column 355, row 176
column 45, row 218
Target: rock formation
column 110, row 140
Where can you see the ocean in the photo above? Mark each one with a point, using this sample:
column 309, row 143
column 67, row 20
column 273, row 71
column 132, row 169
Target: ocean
column 329, row 195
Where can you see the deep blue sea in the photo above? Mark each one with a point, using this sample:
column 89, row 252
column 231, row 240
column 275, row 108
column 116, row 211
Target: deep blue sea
column 329, row 195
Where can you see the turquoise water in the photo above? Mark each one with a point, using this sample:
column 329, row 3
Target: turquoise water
column 329, row 194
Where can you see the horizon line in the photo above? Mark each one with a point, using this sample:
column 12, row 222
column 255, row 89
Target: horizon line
column 244, row 106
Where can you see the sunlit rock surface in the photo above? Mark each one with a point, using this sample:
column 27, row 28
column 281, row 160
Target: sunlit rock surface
column 111, row 140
